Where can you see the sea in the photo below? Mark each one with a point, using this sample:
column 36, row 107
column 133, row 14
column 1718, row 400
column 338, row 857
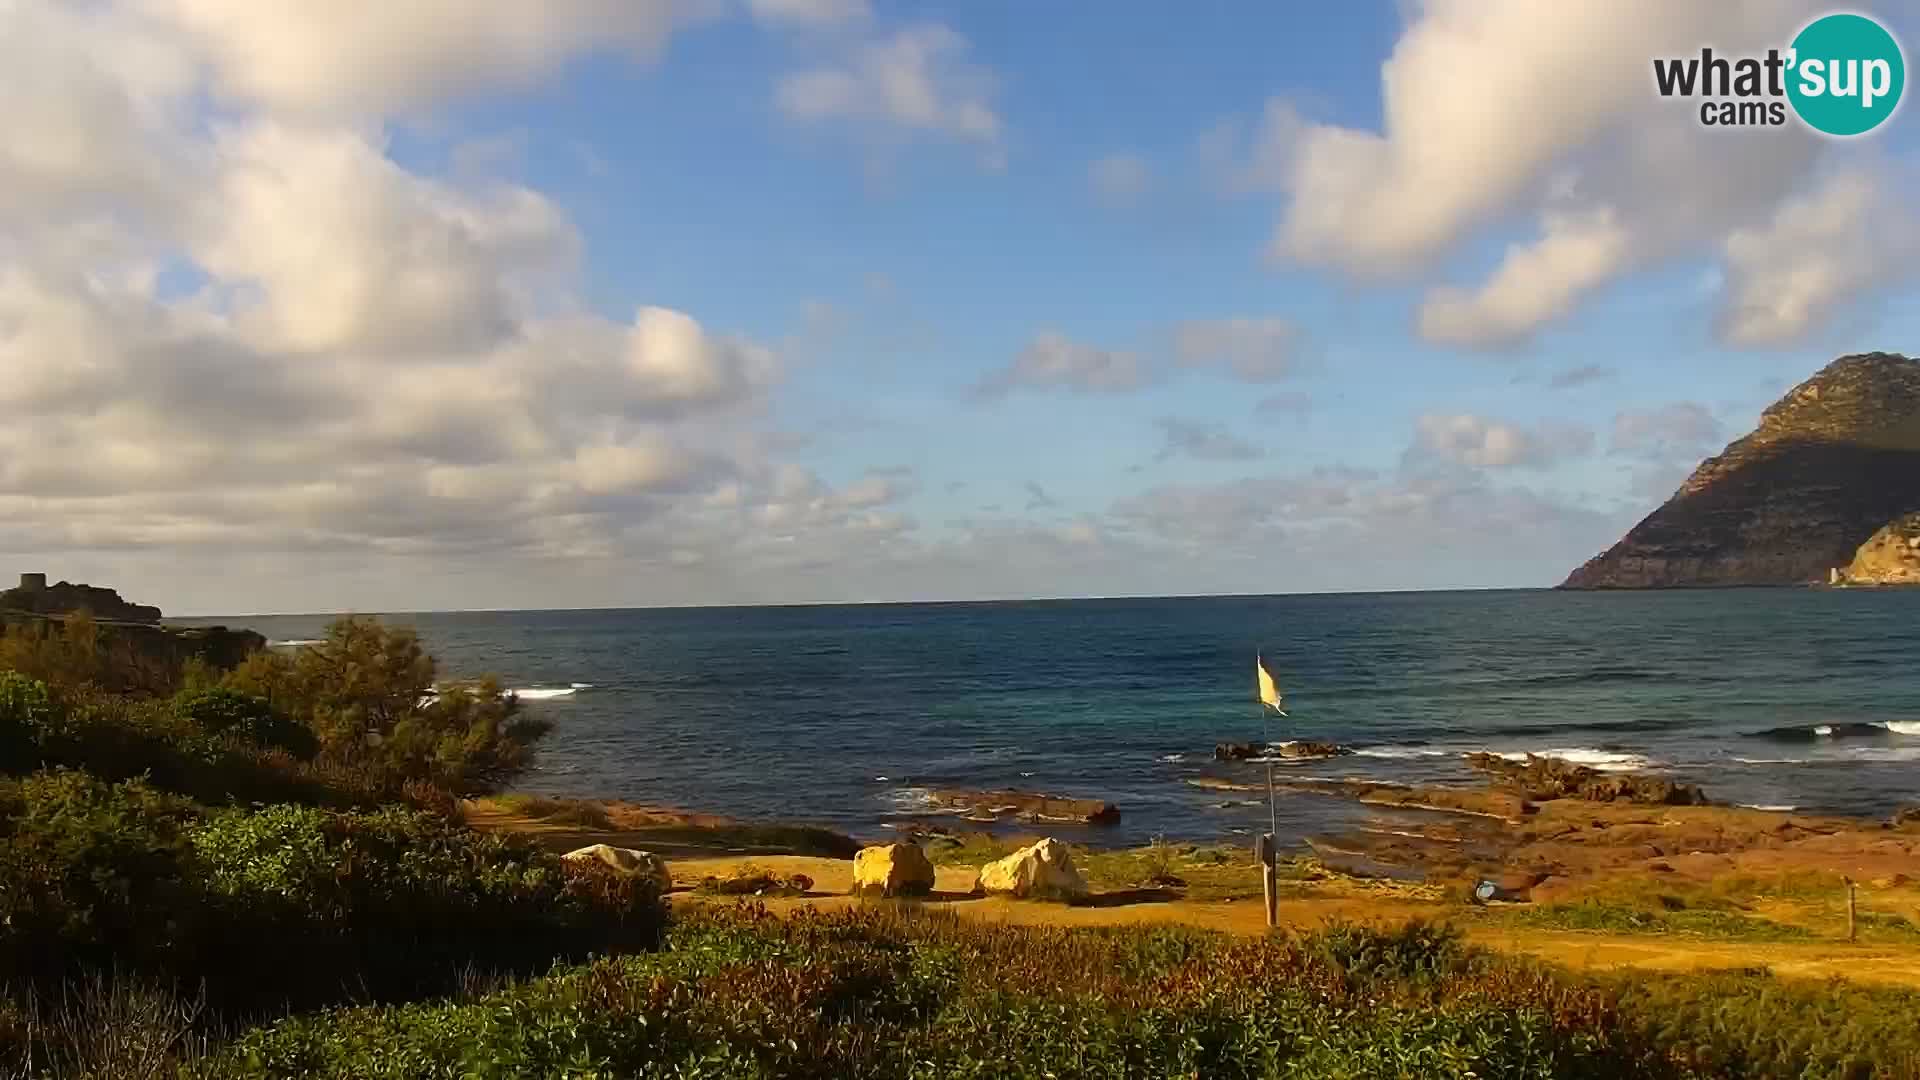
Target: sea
column 847, row 716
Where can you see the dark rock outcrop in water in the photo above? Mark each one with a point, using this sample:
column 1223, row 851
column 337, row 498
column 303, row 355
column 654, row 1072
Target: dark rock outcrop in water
column 1831, row 463
column 990, row 805
column 1300, row 750
column 1542, row 779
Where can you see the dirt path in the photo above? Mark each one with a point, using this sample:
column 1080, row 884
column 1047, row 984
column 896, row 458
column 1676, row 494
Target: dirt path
column 699, row 850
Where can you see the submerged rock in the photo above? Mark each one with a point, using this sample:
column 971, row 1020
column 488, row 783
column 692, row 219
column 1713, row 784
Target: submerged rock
column 629, row 861
column 1544, row 778
column 1297, row 750
column 1043, row 870
column 892, row 870
column 989, row 806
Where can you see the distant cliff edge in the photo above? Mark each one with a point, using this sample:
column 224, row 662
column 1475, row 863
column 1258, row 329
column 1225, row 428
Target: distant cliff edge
column 1832, row 463
column 39, row 608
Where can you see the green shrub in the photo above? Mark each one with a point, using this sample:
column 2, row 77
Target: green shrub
column 26, row 710
column 91, row 874
column 401, row 900
column 222, row 711
column 1756, row 1025
column 290, row 904
column 884, row 992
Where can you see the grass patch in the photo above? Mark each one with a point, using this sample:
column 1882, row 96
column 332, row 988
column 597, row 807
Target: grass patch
column 1597, row 917
column 580, row 812
column 751, row 880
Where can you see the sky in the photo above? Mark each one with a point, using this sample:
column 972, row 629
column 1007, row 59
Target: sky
column 329, row 305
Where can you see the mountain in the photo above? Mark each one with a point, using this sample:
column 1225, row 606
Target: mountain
column 1831, row 463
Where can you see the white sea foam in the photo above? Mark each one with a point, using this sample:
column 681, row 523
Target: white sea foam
column 1904, row 727
column 1823, row 729
column 1777, row 808
column 1604, row 760
column 1171, row 758
column 581, row 685
column 1771, row 760
column 1398, row 753
column 541, row 693
column 295, row 643
column 912, row 799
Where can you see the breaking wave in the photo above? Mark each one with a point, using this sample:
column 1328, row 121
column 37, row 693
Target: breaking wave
column 1603, row 760
column 1904, row 727
column 1816, row 732
column 295, row 643
column 1401, row 753
column 545, row 693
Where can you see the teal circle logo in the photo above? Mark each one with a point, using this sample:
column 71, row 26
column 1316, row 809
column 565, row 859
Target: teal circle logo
column 1846, row 74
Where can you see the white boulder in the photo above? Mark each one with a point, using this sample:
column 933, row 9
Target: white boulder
column 629, row 861
column 1042, row 870
column 892, row 870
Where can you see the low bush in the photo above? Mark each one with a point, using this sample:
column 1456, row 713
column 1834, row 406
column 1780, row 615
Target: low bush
column 290, row 904
column 886, row 992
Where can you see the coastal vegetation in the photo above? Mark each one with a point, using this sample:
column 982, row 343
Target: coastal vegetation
column 274, row 870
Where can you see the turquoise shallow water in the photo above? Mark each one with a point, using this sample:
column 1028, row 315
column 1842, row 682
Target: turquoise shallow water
column 844, row 715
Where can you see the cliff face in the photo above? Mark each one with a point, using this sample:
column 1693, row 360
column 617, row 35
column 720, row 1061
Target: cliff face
column 66, row 597
column 1890, row 557
column 1831, row 463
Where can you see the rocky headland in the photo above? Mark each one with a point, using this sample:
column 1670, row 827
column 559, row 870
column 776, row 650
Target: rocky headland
column 1831, row 464
column 1889, row 557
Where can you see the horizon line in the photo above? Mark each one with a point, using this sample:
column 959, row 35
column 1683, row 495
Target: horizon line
column 871, row 603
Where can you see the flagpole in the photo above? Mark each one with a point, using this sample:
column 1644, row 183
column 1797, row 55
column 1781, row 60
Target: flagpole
column 1269, row 850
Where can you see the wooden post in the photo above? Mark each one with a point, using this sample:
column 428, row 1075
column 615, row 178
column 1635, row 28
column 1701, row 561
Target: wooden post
column 1850, row 907
column 1269, row 877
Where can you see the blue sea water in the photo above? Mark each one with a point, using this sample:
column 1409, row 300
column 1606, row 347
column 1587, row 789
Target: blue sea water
column 845, row 715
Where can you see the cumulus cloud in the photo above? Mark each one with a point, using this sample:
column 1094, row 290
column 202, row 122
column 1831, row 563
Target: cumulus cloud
column 1120, row 179
column 1558, row 138
column 1054, row 361
column 1247, row 532
column 1683, row 430
column 227, row 343
column 1250, row 349
column 1850, row 236
column 372, row 58
column 916, row 81
column 1482, row 443
column 1536, row 283
column 1203, row 441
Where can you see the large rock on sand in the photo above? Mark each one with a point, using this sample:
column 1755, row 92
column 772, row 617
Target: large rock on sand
column 629, row 861
column 892, row 870
column 1043, row 870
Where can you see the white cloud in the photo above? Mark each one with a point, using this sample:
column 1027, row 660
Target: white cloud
column 1851, row 237
column 375, row 57
column 1492, row 117
column 1535, row 284
column 1253, row 350
column 1478, row 442
column 916, row 81
column 1054, row 361
column 1120, row 179
column 1682, row 431
column 349, row 251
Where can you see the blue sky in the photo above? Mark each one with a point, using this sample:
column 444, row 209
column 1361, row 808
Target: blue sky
column 1495, row 319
